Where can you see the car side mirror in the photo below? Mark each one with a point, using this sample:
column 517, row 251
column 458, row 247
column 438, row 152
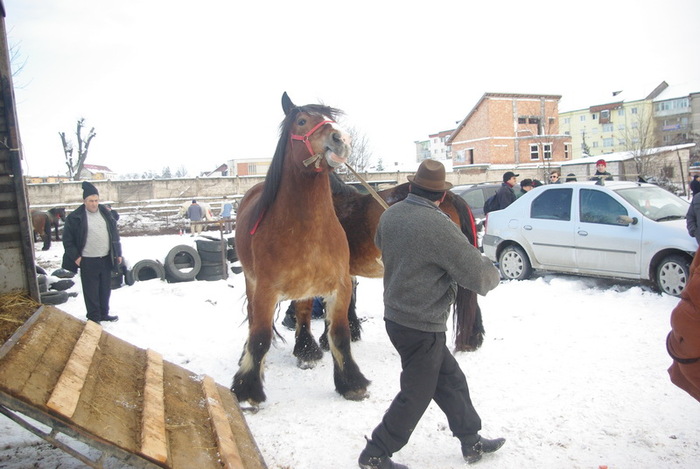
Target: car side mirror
column 625, row 220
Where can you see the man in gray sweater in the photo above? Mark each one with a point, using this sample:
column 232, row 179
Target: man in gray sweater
column 425, row 255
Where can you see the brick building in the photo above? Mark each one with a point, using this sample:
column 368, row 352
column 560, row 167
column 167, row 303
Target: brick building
column 511, row 129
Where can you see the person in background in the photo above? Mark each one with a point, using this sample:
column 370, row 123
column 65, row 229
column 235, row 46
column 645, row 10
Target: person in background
column 195, row 213
column 420, row 278
column 601, row 171
column 506, row 195
column 683, row 342
column 571, row 177
column 525, row 187
column 536, row 183
column 554, row 177
column 692, row 218
column 91, row 242
column 695, row 184
column 226, row 211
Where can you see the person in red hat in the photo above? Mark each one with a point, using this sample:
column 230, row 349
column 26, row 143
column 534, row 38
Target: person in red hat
column 425, row 255
column 601, row 171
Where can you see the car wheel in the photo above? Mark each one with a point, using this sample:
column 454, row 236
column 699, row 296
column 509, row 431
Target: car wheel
column 514, row 263
column 672, row 274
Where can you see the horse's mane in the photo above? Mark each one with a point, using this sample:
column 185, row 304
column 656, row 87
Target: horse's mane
column 275, row 171
column 339, row 187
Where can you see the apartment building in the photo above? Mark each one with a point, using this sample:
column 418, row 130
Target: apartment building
column 512, row 129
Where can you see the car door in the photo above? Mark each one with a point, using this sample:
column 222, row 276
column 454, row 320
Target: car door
column 605, row 244
column 549, row 231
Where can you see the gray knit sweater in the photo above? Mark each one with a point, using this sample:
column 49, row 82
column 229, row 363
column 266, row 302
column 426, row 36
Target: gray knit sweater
column 425, row 255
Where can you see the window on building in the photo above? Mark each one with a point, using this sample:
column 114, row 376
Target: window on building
column 594, row 117
column 621, row 127
column 605, row 114
column 635, row 125
column 607, row 127
column 567, row 120
column 608, row 142
column 547, row 151
column 534, row 152
column 252, row 168
column 621, row 112
column 595, row 145
column 634, row 110
column 567, row 151
column 522, row 120
column 582, row 118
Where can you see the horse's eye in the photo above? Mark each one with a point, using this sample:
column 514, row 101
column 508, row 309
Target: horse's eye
column 301, row 122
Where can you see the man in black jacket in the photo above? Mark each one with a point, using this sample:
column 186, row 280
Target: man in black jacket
column 506, row 195
column 91, row 243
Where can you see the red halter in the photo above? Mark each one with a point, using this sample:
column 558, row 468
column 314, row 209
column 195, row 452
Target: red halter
column 305, row 138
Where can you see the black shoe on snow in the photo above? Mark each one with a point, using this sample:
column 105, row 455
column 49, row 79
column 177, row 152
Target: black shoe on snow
column 378, row 462
column 472, row 451
column 289, row 321
column 110, row 318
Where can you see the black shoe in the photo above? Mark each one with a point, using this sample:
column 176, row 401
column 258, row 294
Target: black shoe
column 289, row 321
column 474, row 446
column 378, row 462
column 110, row 318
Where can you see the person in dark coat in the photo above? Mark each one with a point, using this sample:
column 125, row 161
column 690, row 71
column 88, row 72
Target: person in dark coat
column 692, row 218
column 506, row 195
column 683, row 342
column 420, row 279
column 525, row 187
column 91, row 242
column 601, row 171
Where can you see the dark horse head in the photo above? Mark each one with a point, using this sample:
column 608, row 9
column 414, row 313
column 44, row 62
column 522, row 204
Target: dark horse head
column 321, row 151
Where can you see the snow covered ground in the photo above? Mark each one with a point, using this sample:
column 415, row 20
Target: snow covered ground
column 572, row 373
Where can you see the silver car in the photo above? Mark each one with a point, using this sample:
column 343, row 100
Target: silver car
column 620, row 229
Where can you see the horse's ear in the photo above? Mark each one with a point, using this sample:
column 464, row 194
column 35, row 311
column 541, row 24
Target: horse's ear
column 287, row 104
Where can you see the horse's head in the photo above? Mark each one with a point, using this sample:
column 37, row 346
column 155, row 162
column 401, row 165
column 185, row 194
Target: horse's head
column 315, row 136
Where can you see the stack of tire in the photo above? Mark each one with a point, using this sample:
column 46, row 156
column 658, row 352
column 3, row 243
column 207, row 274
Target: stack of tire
column 213, row 262
column 232, row 256
column 182, row 264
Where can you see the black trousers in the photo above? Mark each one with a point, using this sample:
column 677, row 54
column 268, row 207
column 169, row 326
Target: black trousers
column 430, row 372
column 96, row 278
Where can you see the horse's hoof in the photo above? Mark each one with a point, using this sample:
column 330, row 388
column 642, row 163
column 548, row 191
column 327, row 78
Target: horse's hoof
column 306, row 365
column 356, row 395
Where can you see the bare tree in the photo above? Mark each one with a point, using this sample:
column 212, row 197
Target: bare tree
column 359, row 157
column 76, row 167
column 638, row 138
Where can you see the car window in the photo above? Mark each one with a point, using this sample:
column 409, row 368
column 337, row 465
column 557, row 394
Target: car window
column 552, row 205
column 599, row 207
column 655, row 203
column 475, row 199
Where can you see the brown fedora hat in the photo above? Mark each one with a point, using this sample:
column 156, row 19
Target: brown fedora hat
column 430, row 176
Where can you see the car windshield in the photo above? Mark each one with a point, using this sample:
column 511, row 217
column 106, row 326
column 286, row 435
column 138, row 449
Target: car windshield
column 655, row 203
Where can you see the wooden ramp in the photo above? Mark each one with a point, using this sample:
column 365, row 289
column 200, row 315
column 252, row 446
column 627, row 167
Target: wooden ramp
column 123, row 401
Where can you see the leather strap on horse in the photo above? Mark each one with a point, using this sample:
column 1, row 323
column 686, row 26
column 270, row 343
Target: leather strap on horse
column 371, row 190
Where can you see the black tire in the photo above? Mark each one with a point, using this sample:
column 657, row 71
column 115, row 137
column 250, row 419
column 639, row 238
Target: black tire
column 62, row 285
column 211, row 271
column 182, row 264
column 231, row 255
column 40, row 270
column 63, row 273
column 209, row 278
column 204, row 245
column 147, row 269
column 210, row 257
column 236, row 269
column 54, row 297
column 514, row 263
column 43, row 283
column 672, row 274
column 129, row 278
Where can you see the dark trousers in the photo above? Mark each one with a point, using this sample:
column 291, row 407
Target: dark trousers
column 430, row 372
column 96, row 278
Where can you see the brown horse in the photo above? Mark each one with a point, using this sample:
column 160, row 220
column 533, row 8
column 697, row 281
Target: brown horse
column 359, row 215
column 42, row 227
column 56, row 214
column 292, row 246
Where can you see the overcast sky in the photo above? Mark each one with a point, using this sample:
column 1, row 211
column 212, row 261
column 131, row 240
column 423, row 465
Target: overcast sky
column 196, row 83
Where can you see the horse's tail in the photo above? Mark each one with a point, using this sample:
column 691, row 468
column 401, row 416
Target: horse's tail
column 468, row 324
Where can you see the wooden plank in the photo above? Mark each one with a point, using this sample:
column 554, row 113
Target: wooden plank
column 250, row 453
column 64, row 398
column 228, row 451
column 153, row 440
column 190, row 435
